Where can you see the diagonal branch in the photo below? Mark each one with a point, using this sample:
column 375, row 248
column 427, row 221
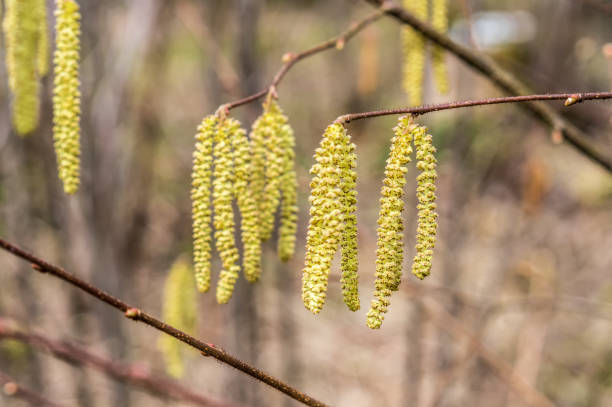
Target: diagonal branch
column 291, row 59
column 133, row 374
column 570, row 99
column 11, row 388
column 134, row 313
column 503, row 79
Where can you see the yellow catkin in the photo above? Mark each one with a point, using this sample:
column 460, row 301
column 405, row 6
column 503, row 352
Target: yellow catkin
column 247, row 205
column 66, row 93
column 179, row 310
column 201, row 211
column 413, row 45
column 42, row 57
column 223, row 194
column 326, row 223
column 426, row 194
column 278, row 127
column 288, row 188
column 439, row 20
column 389, row 254
column 21, row 33
column 259, row 133
column 349, row 262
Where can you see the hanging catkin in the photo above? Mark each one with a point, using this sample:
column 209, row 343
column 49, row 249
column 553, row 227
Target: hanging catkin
column 389, row 254
column 413, row 45
column 327, row 214
column 288, row 187
column 21, row 34
column 66, row 94
column 426, row 194
column 439, row 20
column 223, row 194
column 42, row 48
column 179, row 306
column 201, row 180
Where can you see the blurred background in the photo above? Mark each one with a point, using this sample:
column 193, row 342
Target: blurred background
column 520, row 295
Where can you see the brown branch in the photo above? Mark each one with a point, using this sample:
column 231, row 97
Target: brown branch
column 11, row 388
column 138, row 315
column 133, row 374
column 570, row 99
column 290, row 59
column 503, row 79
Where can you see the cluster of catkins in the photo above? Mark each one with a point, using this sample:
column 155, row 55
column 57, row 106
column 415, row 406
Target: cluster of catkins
column 333, row 224
column 413, row 45
column 26, row 41
column 258, row 173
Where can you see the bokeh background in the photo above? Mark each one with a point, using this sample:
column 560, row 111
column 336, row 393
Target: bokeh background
column 522, row 279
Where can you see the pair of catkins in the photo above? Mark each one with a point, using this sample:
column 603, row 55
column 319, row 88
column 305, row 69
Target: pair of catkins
column 333, row 223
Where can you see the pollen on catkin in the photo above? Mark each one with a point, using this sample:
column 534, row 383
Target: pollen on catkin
column 288, row 188
column 223, row 194
column 426, row 194
column 21, row 33
column 349, row 262
column 201, row 211
column 389, row 253
column 439, row 20
column 66, row 94
column 179, row 310
column 327, row 217
column 42, row 57
column 413, row 45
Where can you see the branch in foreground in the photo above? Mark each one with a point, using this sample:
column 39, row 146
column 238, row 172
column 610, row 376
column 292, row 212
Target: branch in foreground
column 138, row 315
column 11, row 388
column 132, row 374
column 291, row 59
column 503, row 79
column 570, row 99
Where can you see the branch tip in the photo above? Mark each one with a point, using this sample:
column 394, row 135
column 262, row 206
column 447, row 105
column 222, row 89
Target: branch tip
column 133, row 313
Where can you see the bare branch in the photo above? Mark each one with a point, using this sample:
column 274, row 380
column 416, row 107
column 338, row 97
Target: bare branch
column 503, row 79
column 133, row 374
column 11, row 388
column 136, row 314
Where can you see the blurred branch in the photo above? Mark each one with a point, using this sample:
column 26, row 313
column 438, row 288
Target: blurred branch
column 605, row 7
column 503, row 79
column 138, row 315
column 134, row 374
column 11, row 388
column 291, row 58
column 500, row 367
column 570, row 99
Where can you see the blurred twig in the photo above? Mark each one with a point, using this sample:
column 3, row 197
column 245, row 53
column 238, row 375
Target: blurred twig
column 11, row 388
column 503, row 79
column 134, row 374
column 138, row 315
column 291, row 58
column 603, row 6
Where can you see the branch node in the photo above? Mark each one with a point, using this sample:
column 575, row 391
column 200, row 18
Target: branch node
column 38, row 268
column 133, row 313
column 223, row 111
column 340, row 43
column 288, row 57
column 576, row 98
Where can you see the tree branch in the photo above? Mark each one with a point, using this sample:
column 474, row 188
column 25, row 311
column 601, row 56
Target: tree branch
column 138, row 315
column 133, row 374
column 12, row 389
column 503, row 79
column 291, row 59
column 570, row 99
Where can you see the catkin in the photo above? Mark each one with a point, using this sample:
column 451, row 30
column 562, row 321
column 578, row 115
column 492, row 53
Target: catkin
column 42, row 48
column 179, row 310
column 201, row 210
column 288, row 188
column 426, row 194
column 439, row 20
column 66, row 94
column 389, row 253
column 223, row 194
column 21, row 34
column 413, row 45
column 349, row 263
column 326, row 223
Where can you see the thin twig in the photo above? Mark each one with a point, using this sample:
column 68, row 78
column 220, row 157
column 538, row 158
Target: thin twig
column 503, row 79
column 11, row 388
column 136, row 375
column 570, row 99
column 290, row 59
column 138, row 315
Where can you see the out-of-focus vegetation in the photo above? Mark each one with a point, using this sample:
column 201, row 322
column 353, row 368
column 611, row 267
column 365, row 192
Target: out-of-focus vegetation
column 523, row 258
